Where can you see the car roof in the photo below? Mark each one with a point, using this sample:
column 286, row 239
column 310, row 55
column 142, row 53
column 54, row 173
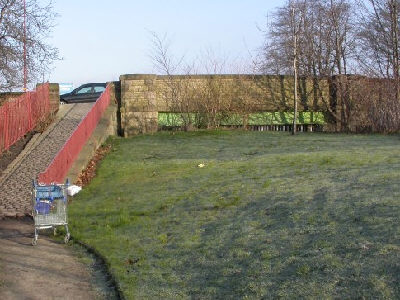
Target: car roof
column 93, row 84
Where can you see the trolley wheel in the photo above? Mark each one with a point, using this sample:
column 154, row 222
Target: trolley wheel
column 34, row 241
column 66, row 239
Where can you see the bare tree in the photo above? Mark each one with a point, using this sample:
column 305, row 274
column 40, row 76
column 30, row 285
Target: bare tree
column 40, row 55
column 325, row 39
column 176, row 93
column 202, row 101
column 379, row 45
column 295, row 23
column 379, row 58
column 379, row 53
column 282, row 49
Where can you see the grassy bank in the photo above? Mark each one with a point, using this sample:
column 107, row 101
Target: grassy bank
column 269, row 215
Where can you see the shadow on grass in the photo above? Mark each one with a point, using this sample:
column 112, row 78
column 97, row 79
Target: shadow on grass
column 294, row 249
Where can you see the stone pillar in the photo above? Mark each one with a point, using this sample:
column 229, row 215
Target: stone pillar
column 139, row 113
column 54, row 97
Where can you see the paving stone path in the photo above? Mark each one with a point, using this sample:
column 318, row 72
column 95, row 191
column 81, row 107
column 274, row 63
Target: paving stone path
column 16, row 182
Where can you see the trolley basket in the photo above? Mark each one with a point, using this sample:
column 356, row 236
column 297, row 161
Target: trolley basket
column 50, row 208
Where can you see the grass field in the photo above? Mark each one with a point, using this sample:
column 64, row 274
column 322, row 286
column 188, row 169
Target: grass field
column 269, row 215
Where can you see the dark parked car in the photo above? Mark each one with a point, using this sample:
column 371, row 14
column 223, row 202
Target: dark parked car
column 88, row 92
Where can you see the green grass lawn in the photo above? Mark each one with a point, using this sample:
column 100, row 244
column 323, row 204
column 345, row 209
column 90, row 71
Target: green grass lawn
column 269, row 215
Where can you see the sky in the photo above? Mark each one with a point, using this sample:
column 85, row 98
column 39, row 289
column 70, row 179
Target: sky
column 100, row 40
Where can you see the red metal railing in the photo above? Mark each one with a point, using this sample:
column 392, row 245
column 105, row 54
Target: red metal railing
column 19, row 116
column 59, row 167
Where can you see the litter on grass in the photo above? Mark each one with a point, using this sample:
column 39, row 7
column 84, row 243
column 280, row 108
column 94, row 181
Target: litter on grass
column 73, row 190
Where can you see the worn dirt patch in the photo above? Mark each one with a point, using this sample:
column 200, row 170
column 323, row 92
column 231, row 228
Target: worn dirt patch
column 47, row 271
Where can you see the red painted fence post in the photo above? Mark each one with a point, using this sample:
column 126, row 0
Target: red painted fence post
column 6, row 122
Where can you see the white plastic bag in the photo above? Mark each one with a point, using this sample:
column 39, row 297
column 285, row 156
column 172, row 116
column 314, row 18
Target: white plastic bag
column 73, row 190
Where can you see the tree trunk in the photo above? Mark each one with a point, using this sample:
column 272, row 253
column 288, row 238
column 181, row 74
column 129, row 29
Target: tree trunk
column 295, row 92
column 395, row 43
column 295, row 71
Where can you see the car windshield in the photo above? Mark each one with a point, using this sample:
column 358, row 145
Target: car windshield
column 99, row 89
column 84, row 90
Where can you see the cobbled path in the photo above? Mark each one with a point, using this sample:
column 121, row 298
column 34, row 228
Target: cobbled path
column 16, row 187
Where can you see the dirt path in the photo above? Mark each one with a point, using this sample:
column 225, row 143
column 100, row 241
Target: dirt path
column 47, row 271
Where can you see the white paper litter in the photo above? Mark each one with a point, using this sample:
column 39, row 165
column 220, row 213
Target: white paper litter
column 73, row 190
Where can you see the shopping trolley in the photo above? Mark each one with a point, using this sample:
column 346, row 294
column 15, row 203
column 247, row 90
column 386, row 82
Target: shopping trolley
column 50, row 208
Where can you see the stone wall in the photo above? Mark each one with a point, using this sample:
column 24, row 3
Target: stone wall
column 54, row 97
column 263, row 93
column 139, row 106
column 144, row 95
column 4, row 97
